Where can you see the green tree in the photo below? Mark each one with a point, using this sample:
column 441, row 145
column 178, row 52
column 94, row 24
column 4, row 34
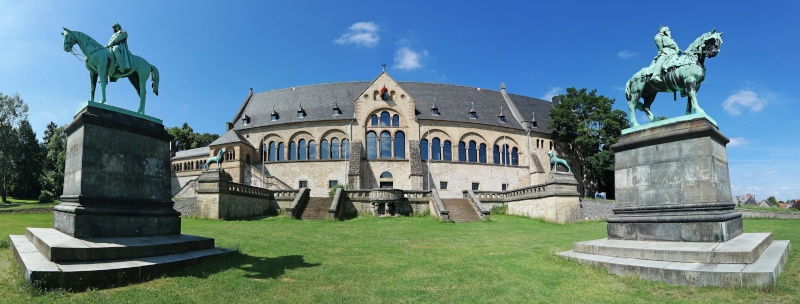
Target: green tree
column 585, row 124
column 27, row 162
column 185, row 138
column 772, row 200
column 55, row 155
column 12, row 110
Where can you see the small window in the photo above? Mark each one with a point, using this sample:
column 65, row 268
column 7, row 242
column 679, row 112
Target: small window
column 301, row 114
column 443, row 185
column 435, row 111
column 475, row 186
column 336, row 111
column 303, row 184
column 332, row 183
column 274, row 116
column 245, row 119
column 501, row 118
column 387, row 185
column 504, row 187
column 473, row 115
column 386, row 174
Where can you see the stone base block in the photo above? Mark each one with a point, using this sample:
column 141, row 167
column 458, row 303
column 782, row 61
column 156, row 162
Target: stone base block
column 101, row 225
column 749, row 260
column 50, row 259
column 676, row 232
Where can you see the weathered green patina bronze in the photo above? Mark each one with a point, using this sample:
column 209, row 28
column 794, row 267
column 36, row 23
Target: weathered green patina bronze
column 682, row 74
column 103, row 61
column 216, row 159
column 555, row 161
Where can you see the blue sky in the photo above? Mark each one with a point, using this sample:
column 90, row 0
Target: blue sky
column 210, row 54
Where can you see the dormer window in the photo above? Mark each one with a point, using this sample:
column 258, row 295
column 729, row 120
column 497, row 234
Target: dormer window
column 501, row 118
column 301, row 113
column 274, row 116
column 245, row 119
column 472, row 113
column 336, row 111
column 434, row 110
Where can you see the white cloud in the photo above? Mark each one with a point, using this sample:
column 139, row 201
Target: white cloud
column 746, row 99
column 552, row 92
column 738, row 141
column 624, row 54
column 407, row 59
column 361, row 34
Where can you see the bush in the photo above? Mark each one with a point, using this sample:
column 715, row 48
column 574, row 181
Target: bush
column 45, row 197
column 500, row 209
column 332, row 192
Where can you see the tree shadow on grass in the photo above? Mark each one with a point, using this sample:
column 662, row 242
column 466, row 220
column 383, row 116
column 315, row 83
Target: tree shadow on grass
column 257, row 268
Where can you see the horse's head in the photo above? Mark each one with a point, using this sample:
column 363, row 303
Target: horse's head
column 69, row 40
column 707, row 45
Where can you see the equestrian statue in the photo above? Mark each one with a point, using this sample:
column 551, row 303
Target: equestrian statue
column 672, row 71
column 216, row 159
column 113, row 61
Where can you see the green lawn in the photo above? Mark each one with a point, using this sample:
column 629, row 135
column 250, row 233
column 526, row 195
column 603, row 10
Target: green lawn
column 20, row 204
column 396, row 260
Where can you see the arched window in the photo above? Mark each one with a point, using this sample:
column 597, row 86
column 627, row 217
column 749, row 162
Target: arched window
column 396, row 120
column 482, row 153
column 386, row 174
column 385, row 120
column 462, row 151
column 292, row 150
column 514, row 157
column 301, row 153
column 345, row 149
column 335, row 148
column 281, row 150
column 372, row 145
column 473, row 152
column 436, row 149
column 374, row 119
column 312, row 150
column 323, row 149
column 272, row 152
column 505, row 154
column 447, row 151
column 423, row 149
column 264, row 153
column 233, row 154
column 386, row 144
column 496, row 154
column 399, row 145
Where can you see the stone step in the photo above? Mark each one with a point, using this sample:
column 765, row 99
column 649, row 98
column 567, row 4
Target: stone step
column 461, row 210
column 744, row 248
column 38, row 270
column 763, row 272
column 316, row 208
column 59, row 247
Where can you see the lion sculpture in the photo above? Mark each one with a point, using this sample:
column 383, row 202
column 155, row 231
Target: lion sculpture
column 554, row 160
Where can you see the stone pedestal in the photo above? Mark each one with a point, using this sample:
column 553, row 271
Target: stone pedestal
column 672, row 184
column 675, row 221
column 117, row 178
column 116, row 223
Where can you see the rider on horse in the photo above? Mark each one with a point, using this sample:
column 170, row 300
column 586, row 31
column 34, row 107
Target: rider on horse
column 120, row 55
column 667, row 48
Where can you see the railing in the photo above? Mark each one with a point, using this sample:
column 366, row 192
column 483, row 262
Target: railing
column 473, row 199
column 191, row 185
column 417, row 195
column 438, row 207
column 241, row 189
column 333, row 211
column 357, row 195
column 298, row 204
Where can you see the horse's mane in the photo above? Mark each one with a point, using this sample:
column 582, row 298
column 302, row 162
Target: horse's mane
column 86, row 38
column 698, row 43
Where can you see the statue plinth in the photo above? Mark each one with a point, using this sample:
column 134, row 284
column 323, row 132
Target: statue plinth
column 117, row 177
column 672, row 184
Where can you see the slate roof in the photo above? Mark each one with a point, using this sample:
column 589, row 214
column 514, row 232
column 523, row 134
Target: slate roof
column 453, row 101
column 230, row 137
column 203, row 151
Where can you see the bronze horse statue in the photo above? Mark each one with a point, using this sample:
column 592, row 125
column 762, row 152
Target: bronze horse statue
column 681, row 74
column 98, row 59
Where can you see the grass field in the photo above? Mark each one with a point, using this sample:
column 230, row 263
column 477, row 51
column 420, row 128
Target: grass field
column 15, row 204
column 395, row 260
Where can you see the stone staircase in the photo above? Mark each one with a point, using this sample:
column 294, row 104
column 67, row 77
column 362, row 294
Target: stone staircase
column 316, row 208
column 460, row 210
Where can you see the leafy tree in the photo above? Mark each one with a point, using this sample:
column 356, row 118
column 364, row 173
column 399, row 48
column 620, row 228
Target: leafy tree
column 55, row 155
column 12, row 110
column 185, row 138
column 772, row 200
column 585, row 124
column 27, row 162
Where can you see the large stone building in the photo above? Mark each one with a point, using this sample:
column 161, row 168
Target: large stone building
column 384, row 133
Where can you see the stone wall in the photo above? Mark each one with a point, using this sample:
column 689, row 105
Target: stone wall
column 460, row 176
column 555, row 201
column 559, row 210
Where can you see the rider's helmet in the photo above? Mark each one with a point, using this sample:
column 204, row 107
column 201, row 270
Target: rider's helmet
column 664, row 30
column 116, row 26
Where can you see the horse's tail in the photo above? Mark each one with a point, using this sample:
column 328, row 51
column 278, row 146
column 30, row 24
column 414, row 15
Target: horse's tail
column 628, row 90
column 154, row 77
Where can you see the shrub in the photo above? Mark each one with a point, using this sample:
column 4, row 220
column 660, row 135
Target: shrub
column 332, row 192
column 45, row 197
column 500, row 209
